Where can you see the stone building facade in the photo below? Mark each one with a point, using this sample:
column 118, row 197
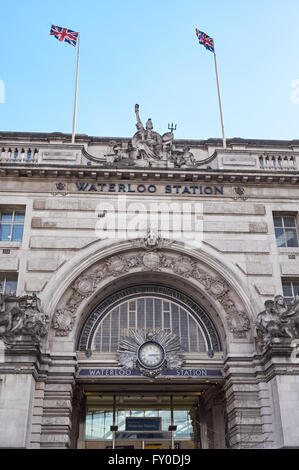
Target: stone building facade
column 108, row 238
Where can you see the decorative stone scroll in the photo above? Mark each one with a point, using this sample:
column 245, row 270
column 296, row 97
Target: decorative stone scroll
column 278, row 320
column 144, row 261
column 21, row 319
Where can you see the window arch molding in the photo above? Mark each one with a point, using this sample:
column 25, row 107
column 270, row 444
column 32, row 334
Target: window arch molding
column 189, row 311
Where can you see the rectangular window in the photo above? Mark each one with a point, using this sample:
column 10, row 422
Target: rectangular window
column 286, row 230
column 8, row 283
column 290, row 289
column 11, row 224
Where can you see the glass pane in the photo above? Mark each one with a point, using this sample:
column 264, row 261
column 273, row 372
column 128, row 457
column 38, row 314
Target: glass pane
column 158, row 313
column 184, row 426
column 175, row 320
column 5, row 230
column 149, row 313
column 11, row 287
column 140, row 313
column 6, row 216
column 166, row 320
column 121, row 420
column 184, row 330
column 193, row 335
column 106, row 334
column 279, row 234
column 17, row 233
column 114, row 330
column 291, row 237
column 98, row 340
column 295, row 288
column 277, row 221
column 123, row 318
column 289, row 221
column 287, row 289
column 19, row 216
column 132, row 319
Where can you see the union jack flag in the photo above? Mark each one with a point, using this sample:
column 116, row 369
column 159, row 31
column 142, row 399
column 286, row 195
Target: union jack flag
column 205, row 40
column 63, row 34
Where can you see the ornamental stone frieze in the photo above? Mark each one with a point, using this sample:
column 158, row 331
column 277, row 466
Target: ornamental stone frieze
column 146, row 260
column 21, row 319
column 278, row 321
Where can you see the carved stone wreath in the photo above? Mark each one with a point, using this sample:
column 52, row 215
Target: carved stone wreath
column 128, row 347
column 149, row 260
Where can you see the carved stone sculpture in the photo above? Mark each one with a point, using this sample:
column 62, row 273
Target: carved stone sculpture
column 184, row 159
column 22, row 317
column 149, row 148
column 277, row 321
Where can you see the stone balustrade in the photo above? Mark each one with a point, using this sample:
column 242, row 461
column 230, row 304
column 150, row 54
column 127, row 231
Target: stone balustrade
column 231, row 159
column 277, row 162
column 19, row 154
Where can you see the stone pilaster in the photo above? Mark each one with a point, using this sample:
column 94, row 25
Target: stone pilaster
column 212, row 421
column 279, row 366
column 245, row 428
column 57, row 404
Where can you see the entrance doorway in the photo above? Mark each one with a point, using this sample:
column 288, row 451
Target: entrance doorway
column 142, row 421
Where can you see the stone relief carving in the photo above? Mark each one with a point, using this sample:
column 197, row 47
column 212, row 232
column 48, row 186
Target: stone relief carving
column 148, row 148
column 151, row 241
column 22, row 317
column 278, row 320
column 149, row 260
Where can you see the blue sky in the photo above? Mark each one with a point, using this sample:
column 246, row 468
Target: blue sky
column 146, row 52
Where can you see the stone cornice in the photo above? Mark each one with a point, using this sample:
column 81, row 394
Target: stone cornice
column 216, row 176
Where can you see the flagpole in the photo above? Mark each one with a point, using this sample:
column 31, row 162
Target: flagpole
column 76, row 93
column 220, row 105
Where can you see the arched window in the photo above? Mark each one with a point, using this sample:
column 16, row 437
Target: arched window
column 149, row 308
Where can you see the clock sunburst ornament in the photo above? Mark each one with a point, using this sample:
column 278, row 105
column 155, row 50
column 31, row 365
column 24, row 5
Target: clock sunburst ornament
column 150, row 351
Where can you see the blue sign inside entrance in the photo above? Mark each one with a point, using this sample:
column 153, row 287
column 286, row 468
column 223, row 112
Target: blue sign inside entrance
column 143, row 424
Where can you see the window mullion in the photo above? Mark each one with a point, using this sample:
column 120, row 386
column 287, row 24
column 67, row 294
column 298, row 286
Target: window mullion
column 12, row 224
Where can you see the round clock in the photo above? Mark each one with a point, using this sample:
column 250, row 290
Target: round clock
column 151, row 355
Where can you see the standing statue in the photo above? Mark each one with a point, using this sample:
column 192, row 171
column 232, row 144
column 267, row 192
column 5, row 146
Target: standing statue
column 147, row 142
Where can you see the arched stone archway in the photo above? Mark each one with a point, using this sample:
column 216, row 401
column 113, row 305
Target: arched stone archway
column 212, row 284
column 102, row 270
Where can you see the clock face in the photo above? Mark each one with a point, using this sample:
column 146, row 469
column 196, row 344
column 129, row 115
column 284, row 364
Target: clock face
column 151, row 354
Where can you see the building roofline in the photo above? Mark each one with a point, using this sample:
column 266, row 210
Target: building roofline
column 84, row 138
